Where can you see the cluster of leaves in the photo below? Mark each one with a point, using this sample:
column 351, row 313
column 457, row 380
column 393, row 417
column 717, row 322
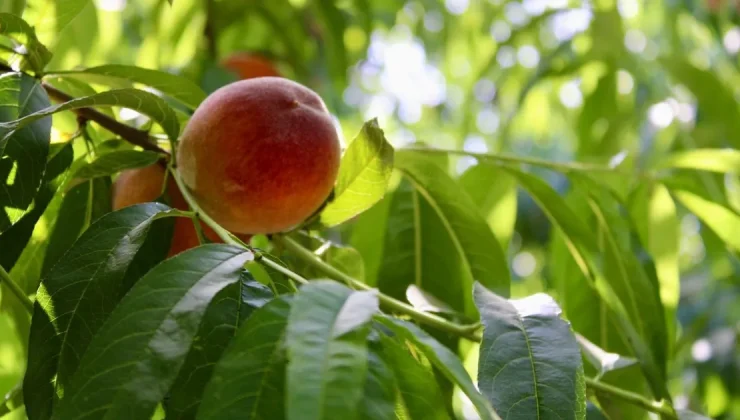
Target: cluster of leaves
column 120, row 331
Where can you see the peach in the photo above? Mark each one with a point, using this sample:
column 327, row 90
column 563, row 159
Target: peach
column 142, row 185
column 260, row 155
column 247, row 65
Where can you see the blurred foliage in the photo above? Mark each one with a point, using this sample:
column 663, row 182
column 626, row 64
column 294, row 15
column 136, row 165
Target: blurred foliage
column 615, row 82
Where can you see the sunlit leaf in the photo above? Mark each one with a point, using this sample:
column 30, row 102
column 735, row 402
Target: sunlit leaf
column 326, row 344
column 494, row 191
column 443, row 359
column 14, row 240
column 724, row 222
column 654, row 213
column 137, row 352
column 530, row 364
column 179, row 87
column 248, row 381
column 35, row 55
column 82, row 204
column 363, row 175
column 137, row 100
column 23, row 153
column 715, row 160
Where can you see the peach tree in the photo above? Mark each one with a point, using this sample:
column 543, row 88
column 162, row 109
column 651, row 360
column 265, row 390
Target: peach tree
column 390, row 298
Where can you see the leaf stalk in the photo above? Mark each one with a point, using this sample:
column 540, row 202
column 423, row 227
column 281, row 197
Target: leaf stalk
column 16, row 290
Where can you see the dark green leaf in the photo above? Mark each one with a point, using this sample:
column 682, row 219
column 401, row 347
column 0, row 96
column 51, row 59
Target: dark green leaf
column 581, row 244
column 35, row 56
column 13, row 6
column 135, row 356
column 418, row 391
column 76, row 297
column 83, row 204
column 473, row 240
column 715, row 160
column 249, row 379
column 530, row 364
column 179, row 87
column 326, row 335
column 14, row 240
column 114, row 162
column 137, row 100
column 494, row 192
column 227, row 311
column 23, row 153
column 417, row 249
column 627, row 278
column 443, row 359
column 601, row 359
column 363, row 175
column 379, row 394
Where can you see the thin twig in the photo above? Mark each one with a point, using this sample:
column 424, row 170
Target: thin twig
column 630, row 397
column 471, row 332
column 132, row 135
column 15, row 289
column 496, row 157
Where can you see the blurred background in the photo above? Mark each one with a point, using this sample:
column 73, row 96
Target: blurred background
column 618, row 82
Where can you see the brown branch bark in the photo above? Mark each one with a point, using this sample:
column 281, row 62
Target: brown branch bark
column 132, row 135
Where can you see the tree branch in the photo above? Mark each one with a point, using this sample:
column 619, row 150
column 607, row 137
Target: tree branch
column 635, row 399
column 132, row 135
column 17, row 291
column 471, row 332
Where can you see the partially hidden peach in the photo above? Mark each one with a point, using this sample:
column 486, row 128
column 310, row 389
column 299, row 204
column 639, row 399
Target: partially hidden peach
column 142, row 185
column 260, row 155
column 247, row 65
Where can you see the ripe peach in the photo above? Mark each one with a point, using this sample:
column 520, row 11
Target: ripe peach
column 142, row 185
column 260, row 155
column 248, row 66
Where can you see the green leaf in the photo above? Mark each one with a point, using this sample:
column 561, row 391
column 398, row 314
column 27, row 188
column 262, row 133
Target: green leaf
column 379, row 394
column 248, row 380
column 627, row 278
column 601, row 359
column 135, row 356
column 82, row 205
column 724, row 222
column 326, row 335
column 654, row 213
column 715, row 99
column 418, row 391
column 473, row 240
column 77, row 296
column 35, row 56
column 494, row 192
column 443, row 359
column 417, row 249
column 363, row 175
column 714, row 160
column 227, row 311
column 14, row 240
column 137, row 100
column 530, row 364
column 179, row 87
column 581, row 244
column 65, row 12
column 13, row 7
column 23, row 153
column 114, row 162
